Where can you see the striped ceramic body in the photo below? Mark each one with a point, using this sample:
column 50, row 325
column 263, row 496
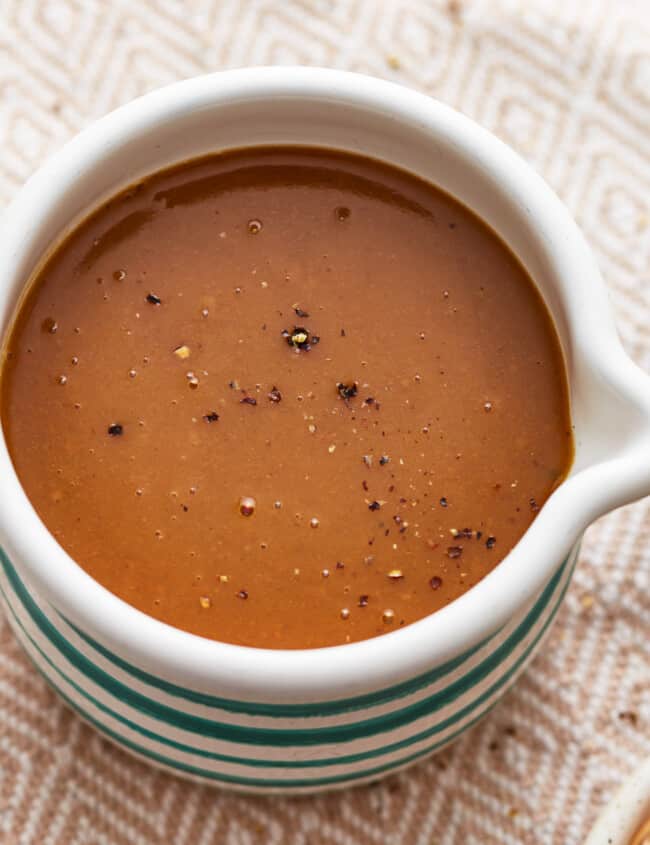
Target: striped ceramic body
column 268, row 747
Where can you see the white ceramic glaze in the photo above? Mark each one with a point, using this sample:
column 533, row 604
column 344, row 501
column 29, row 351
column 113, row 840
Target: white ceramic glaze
column 610, row 396
column 626, row 812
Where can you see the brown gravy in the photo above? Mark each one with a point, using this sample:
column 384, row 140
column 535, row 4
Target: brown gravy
column 285, row 397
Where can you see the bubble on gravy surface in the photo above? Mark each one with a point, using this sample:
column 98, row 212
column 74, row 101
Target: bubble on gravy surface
column 285, row 398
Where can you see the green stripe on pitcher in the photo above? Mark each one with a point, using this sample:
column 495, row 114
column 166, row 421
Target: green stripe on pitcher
column 279, row 736
column 253, row 782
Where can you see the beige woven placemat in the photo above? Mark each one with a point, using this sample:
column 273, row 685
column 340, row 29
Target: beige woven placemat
column 567, row 83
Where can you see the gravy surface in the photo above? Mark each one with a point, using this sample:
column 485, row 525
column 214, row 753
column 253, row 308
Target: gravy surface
column 285, row 398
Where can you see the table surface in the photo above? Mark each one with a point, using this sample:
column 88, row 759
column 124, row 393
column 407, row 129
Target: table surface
column 566, row 83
